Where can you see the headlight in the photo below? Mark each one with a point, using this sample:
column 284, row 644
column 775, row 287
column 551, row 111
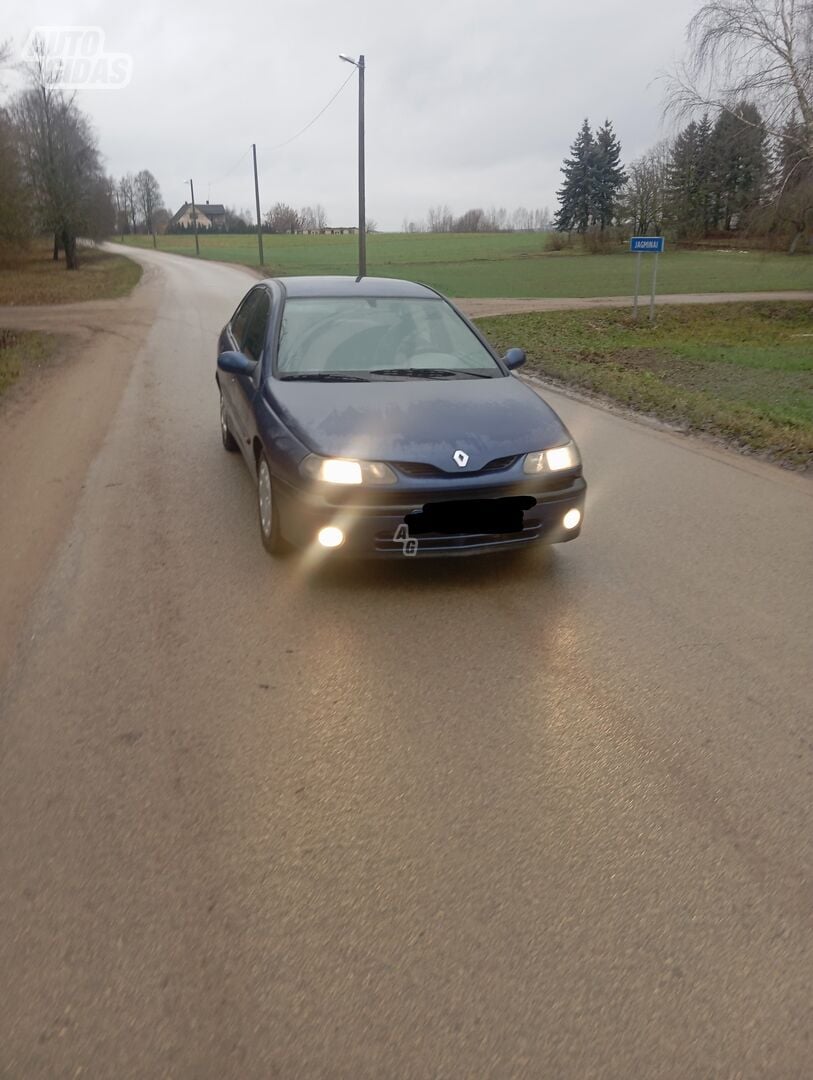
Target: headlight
column 346, row 471
column 553, row 460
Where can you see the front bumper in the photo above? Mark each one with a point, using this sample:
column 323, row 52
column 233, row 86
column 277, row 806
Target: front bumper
column 374, row 519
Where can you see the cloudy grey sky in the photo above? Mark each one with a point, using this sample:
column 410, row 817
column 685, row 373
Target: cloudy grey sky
column 470, row 104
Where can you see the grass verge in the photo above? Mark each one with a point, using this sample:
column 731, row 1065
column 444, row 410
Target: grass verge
column 32, row 276
column 743, row 372
column 502, row 264
column 20, row 351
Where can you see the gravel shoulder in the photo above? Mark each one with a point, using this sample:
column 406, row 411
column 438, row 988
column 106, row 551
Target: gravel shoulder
column 479, row 307
column 52, row 423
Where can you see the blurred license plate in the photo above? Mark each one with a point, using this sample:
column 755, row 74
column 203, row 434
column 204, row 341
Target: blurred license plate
column 471, row 516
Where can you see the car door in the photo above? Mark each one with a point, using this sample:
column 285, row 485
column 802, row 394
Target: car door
column 230, row 338
column 251, row 337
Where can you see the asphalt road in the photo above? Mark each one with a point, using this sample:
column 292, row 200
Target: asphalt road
column 544, row 817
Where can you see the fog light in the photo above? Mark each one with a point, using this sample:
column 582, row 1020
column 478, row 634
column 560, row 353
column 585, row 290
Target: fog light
column 572, row 519
column 330, row 537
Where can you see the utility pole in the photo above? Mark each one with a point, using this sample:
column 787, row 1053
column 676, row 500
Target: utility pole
column 194, row 218
column 362, row 210
column 257, row 200
column 362, row 214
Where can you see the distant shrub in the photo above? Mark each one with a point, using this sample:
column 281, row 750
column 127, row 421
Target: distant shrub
column 598, row 242
column 558, row 241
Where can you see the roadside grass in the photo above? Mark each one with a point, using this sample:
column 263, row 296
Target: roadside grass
column 743, row 372
column 20, row 351
column 32, row 276
column 501, row 264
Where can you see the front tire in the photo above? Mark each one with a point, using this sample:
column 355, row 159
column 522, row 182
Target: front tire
column 270, row 532
column 229, row 441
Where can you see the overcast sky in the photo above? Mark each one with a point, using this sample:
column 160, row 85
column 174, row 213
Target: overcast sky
column 470, row 104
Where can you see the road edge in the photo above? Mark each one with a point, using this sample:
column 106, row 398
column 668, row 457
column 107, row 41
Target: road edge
column 54, row 422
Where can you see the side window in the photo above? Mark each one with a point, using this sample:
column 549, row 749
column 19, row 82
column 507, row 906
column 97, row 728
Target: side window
column 253, row 340
column 238, row 323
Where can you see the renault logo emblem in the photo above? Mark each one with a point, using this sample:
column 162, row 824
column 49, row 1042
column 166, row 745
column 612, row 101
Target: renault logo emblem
column 461, row 458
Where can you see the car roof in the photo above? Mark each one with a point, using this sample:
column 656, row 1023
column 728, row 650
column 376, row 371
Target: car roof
column 335, row 285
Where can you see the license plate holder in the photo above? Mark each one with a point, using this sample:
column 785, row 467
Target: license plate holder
column 471, row 516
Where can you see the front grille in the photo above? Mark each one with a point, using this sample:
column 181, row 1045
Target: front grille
column 403, row 499
column 422, row 469
column 435, row 543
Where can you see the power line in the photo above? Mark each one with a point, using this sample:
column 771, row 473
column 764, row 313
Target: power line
column 287, row 142
column 312, row 122
column 234, row 167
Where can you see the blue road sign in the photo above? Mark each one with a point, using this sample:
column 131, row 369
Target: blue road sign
column 652, row 244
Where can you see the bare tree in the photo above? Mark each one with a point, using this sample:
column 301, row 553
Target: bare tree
column 312, row 218
column 542, row 221
column 750, row 50
column 60, row 159
column 471, row 221
column 15, row 200
column 796, row 210
column 282, row 218
column 5, row 57
column 127, row 192
column 644, row 195
column 439, row 219
column 148, row 194
column 160, row 219
column 521, row 220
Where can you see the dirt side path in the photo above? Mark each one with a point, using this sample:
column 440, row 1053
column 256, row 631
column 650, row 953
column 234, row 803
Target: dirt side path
column 42, row 469
column 479, row 307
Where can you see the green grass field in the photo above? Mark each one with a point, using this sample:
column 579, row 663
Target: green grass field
column 501, row 264
column 743, row 372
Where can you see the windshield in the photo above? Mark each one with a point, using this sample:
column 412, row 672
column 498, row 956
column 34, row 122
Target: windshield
column 373, row 337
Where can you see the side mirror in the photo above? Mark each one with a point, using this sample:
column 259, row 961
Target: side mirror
column 234, row 363
column 514, row 358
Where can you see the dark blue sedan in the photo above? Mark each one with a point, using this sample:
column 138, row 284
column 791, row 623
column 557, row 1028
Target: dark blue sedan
column 377, row 420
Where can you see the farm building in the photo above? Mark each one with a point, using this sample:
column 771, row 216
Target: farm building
column 211, row 217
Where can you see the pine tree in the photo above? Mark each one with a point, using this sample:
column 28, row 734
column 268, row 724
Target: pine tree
column 706, row 195
column 688, row 181
column 789, row 157
column 740, row 154
column 577, row 193
column 792, row 165
column 791, row 208
column 608, row 176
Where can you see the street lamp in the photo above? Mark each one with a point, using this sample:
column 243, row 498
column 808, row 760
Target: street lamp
column 362, row 216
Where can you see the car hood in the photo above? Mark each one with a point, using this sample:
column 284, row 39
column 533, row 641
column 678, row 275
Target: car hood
column 418, row 420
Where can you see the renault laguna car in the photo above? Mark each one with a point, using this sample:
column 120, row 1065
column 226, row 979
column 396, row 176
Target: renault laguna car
column 378, row 421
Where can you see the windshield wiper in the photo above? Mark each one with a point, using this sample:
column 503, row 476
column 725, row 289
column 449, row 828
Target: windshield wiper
column 324, row 376
column 431, row 373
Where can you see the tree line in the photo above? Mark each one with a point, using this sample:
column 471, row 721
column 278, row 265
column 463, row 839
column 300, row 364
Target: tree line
column 742, row 163
column 51, row 175
column 440, row 219
column 139, row 204
column 281, row 218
